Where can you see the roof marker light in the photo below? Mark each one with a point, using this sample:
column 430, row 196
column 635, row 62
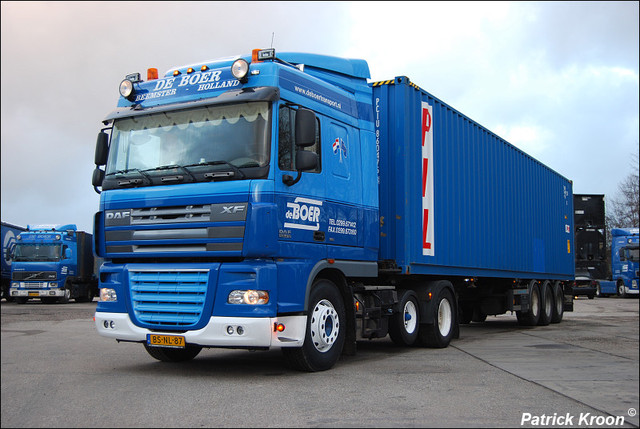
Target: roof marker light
column 189, row 70
column 176, row 72
column 204, row 68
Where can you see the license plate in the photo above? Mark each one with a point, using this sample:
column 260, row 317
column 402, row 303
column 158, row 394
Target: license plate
column 175, row 341
column 34, row 294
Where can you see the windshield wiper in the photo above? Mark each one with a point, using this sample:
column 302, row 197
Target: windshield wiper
column 173, row 167
column 131, row 181
column 220, row 174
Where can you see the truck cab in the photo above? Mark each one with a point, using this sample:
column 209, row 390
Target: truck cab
column 624, row 260
column 45, row 265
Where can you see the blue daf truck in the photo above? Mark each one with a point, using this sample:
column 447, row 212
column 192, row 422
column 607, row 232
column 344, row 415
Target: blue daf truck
column 284, row 201
column 54, row 263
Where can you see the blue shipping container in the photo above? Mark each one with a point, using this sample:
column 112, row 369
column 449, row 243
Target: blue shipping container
column 458, row 200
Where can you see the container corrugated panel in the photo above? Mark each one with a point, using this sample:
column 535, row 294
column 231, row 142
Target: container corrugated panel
column 483, row 208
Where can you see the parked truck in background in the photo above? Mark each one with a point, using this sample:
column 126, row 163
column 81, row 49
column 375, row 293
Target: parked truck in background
column 9, row 234
column 624, row 264
column 592, row 264
column 286, row 202
column 54, row 263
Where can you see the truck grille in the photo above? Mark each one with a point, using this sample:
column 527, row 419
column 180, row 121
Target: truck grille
column 33, row 275
column 205, row 228
column 168, row 298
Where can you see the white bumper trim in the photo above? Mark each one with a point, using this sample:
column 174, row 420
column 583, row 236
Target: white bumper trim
column 257, row 332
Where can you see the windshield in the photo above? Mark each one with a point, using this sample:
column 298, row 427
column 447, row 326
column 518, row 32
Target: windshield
column 37, row 252
column 232, row 136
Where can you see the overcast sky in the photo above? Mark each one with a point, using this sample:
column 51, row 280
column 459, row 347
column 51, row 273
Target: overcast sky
column 558, row 80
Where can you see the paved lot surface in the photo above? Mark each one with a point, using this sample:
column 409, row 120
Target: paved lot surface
column 57, row 372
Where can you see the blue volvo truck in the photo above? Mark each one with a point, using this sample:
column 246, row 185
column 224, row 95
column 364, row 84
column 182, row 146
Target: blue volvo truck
column 625, row 261
column 284, row 201
column 54, row 263
column 9, row 234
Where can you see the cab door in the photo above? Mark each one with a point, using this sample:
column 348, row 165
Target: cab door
column 301, row 206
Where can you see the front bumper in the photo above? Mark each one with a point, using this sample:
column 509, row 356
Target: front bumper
column 37, row 293
column 257, row 332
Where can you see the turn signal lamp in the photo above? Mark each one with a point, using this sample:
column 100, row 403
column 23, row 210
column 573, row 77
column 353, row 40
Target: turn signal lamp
column 152, row 73
column 279, row 327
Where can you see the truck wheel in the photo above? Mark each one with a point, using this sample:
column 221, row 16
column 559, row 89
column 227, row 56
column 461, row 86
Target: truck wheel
column 531, row 317
column 87, row 296
column 622, row 292
column 546, row 304
column 325, row 333
column 173, row 355
column 403, row 326
column 465, row 312
column 67, row 295
column 558, row 303
column 439, row 334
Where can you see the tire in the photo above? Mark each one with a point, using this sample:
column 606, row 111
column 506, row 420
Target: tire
column 87, row 296
column 546, row 304
column 165, row 354
column 441, row 331
column 325, row 332
column 67, row 294
column 531, row 317
column 465, row 313
column 622, row 292
column 598, row 292
column 558, row 303
column 403, row 326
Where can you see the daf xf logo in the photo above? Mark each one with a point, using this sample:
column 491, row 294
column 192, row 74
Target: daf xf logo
column 117, row 217
column 232, row 209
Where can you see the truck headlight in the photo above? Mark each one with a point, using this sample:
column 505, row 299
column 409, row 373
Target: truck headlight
column 53, row 284
column 240, row 70
column 107, row 294
column 250, row 297
column 126, row 88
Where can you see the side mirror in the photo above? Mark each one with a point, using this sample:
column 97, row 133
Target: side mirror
column 102, row 148
column 97, row 178
column 305, row 128
column 306, row 160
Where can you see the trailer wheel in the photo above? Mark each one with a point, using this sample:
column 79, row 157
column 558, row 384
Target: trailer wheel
column 546, row 304
column 173, row 355
column 558, row 303
column 403, row 326
column 325, row 333
column 440, row 333
column 531, row 317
